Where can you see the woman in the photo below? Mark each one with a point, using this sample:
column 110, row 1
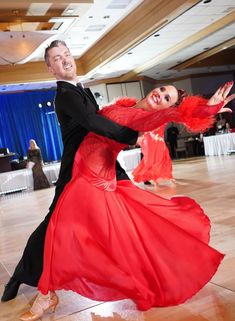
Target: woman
column 156, row 164
column 34, row 162
column 109, row 240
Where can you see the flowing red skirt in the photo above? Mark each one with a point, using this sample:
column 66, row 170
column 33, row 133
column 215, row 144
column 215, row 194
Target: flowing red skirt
column 128, row 243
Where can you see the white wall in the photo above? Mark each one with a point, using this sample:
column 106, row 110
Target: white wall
column 101, row 88
column 128, row 89
column 185, row 84
column 146, row 86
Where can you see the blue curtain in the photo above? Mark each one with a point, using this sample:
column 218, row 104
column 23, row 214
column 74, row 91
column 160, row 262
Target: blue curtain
column 21, row 119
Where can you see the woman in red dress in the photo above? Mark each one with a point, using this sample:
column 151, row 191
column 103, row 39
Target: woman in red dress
column 109, row 240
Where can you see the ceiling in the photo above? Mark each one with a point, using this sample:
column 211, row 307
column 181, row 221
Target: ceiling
column 116, row 40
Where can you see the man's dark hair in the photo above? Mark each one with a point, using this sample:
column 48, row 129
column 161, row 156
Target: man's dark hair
column 53, row 44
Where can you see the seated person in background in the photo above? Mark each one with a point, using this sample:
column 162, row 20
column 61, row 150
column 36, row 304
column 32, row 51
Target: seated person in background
column 34, row 156
column 222, row 126
column 227, row 130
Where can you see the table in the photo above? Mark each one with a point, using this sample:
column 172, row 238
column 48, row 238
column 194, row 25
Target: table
column 129, row 159
column 22, row 179
column 221, row 144
column 5, row 165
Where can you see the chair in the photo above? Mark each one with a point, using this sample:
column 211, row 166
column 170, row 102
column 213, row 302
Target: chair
column 4, row 151
column 181, row 150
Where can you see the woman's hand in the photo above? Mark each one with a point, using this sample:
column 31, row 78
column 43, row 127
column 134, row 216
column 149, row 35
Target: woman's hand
column 221, row 95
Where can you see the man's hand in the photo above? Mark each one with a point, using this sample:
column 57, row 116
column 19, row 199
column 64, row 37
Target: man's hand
column 221, row 95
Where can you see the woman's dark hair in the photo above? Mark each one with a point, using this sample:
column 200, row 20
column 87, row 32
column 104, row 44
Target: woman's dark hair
column 53, row 44
column 181, row 95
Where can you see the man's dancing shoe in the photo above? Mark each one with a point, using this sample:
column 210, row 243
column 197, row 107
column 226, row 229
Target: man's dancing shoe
column 11, row 289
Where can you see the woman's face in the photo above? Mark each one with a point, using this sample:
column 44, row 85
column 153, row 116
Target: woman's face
column 161, row 98
column 32, row 144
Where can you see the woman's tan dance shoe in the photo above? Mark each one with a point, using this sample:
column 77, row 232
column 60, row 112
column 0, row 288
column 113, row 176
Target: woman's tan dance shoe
column 41, row 304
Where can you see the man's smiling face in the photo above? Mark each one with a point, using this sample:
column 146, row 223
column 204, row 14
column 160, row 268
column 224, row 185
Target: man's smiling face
column 62, row 64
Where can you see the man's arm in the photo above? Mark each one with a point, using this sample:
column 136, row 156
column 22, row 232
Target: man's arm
column 84, row 114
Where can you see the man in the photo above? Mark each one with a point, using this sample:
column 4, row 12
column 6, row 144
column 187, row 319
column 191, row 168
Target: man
column 76, row 110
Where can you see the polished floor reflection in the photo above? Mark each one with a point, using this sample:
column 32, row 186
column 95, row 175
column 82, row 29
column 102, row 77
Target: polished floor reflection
column 209, row 180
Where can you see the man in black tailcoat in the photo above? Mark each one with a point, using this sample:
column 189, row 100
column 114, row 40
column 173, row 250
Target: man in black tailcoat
column 76, row 109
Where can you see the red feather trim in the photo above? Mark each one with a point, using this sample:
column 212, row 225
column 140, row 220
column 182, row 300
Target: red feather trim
column 126, row 101
column 195, row 114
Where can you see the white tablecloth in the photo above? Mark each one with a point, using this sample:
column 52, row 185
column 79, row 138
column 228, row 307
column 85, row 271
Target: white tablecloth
column 129, row 159
column 22, row 179
column 221, row 144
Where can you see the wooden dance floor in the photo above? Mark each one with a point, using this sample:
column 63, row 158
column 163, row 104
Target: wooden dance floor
column 209, row 180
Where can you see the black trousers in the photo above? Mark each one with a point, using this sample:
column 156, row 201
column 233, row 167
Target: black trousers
column 30, row 266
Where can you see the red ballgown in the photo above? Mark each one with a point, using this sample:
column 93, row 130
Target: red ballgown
column 110, row 240
column 156, row 163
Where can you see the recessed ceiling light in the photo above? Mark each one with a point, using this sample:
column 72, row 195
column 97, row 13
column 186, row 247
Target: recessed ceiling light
column 70, row 10
column 94, row 28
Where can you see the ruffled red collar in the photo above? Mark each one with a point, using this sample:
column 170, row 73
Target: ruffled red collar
column 126, row 101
